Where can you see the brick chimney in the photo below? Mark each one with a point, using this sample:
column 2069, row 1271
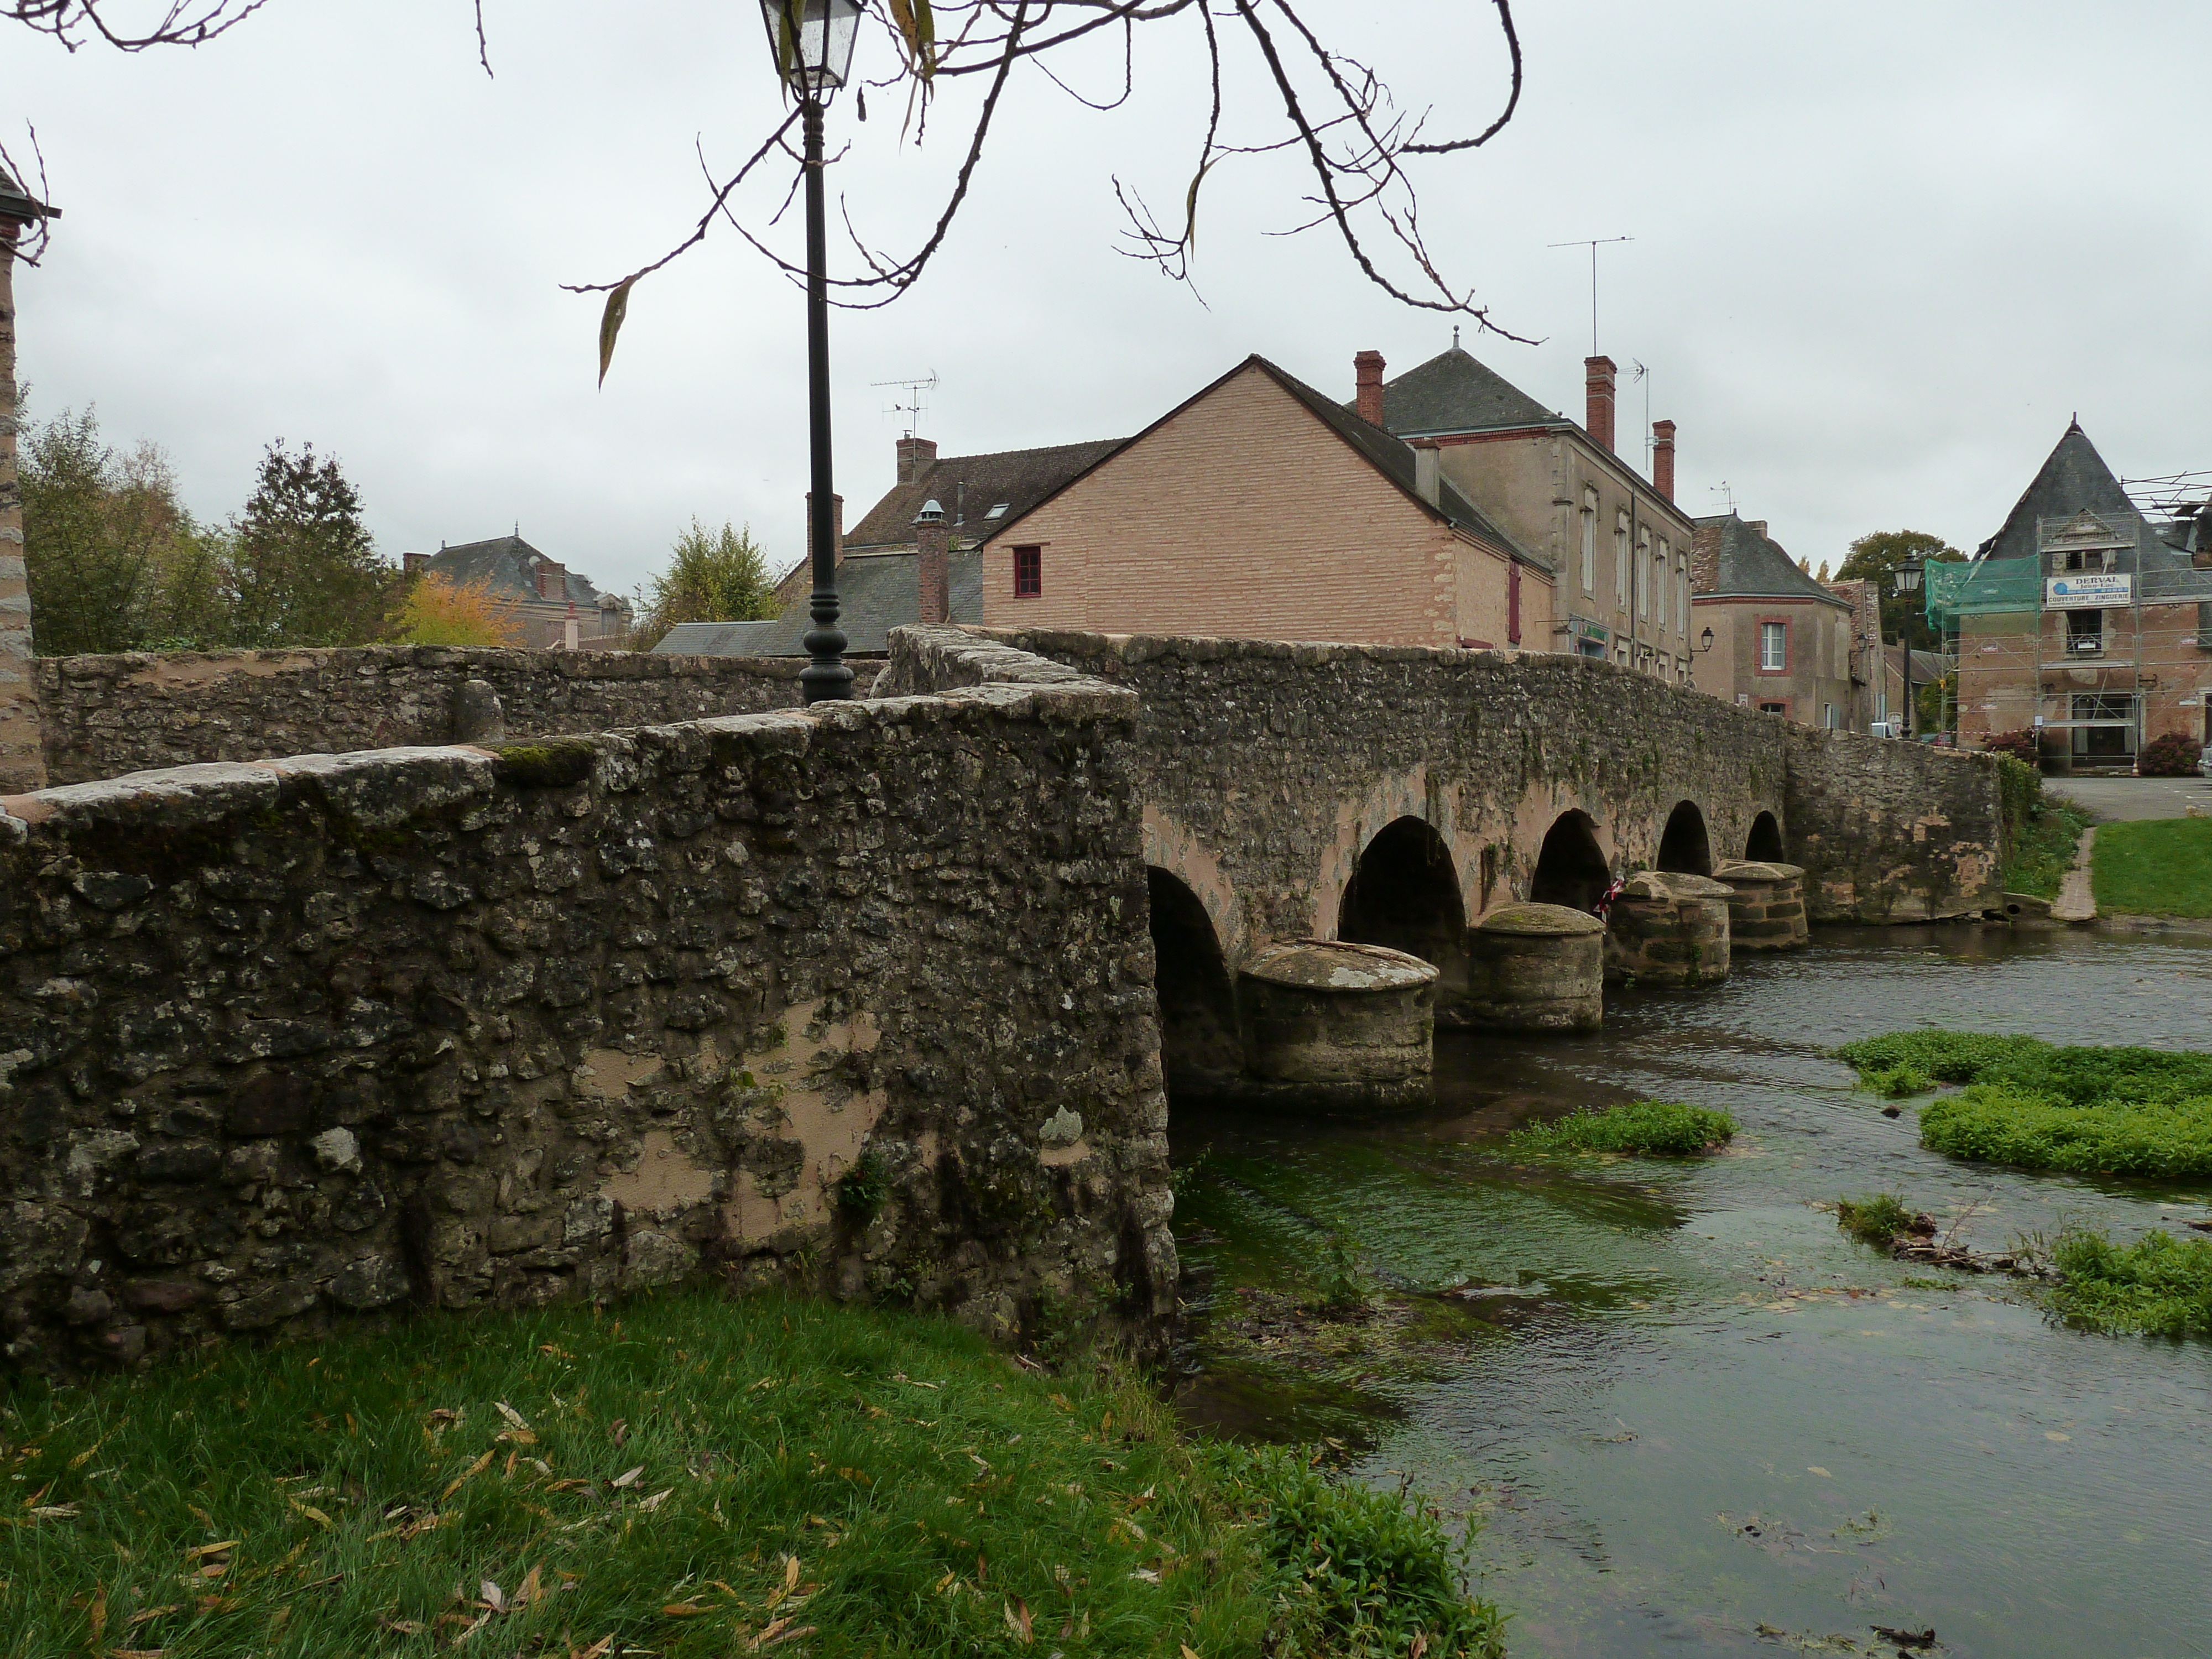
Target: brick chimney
column 23, row 749
column 1598, row 375
column 1367, row 379
column 932, row 546
column 414, row 561
column 915, row 457
column 1705, row 557
column 552, row 579
column 1662, row 457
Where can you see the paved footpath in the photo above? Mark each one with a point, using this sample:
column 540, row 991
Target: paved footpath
column 2113, row 799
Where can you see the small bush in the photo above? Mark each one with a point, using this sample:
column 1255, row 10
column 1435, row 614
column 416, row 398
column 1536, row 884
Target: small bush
column 1874, row 1220
column 2173, row 756
column 863, row 1190
column 1664, row 1126
column 2023, row 746
column 1896, row 1082
column 1365, row 1574
column 2160, row 1286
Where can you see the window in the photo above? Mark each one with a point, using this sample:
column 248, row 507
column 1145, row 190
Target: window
column 1644, row 547
column 1782, row 708
column 998, row 510
column 1590, row 541
column 1029, row 572
column 2085, row 633
column 1620, row 559
column 1773, row 648
column 1682, row 593
column 2113, row 741
column 1828, row 716
column 1659, row 579
column 1842, row 649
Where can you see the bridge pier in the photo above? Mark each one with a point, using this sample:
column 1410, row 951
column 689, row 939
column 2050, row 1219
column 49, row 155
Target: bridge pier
column 1766, row 906
column 1669, row 930
column 1536, row 968
column 1333, row 1026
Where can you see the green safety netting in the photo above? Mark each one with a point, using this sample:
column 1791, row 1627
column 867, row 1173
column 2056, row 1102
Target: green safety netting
column 1952, row 590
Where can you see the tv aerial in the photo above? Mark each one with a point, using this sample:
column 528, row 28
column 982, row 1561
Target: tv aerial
column 916, row 399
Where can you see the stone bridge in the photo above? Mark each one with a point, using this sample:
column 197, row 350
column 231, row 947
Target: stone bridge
column 859, row 997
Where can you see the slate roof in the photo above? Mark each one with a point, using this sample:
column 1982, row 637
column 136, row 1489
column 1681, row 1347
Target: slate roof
column 1752, row 566
column 2074, row 478
column 1387, row 455
column 510, row 564
column 876, row 593
column 1454, row 392
column 1019, row 477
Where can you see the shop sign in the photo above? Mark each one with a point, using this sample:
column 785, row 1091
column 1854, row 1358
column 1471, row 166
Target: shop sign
column 2087, row 589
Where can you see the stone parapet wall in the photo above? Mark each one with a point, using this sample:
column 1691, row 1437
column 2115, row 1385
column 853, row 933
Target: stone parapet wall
column 105, row 716
column 1891, row 831
column 859, row 998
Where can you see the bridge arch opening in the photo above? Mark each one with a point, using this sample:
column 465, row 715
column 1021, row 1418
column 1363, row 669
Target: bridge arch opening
column 1684, row 847
column 1404, row 893
column 1200, row 1050
column 1571, row 866
column 1764, row 845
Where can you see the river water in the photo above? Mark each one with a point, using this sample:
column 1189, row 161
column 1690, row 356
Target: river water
column 1695, row 1414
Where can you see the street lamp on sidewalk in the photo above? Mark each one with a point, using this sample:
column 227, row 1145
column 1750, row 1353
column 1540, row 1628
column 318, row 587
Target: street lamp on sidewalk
column 812, row 42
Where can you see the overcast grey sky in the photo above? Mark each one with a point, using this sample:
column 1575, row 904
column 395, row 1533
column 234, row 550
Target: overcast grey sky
column 1882, row 251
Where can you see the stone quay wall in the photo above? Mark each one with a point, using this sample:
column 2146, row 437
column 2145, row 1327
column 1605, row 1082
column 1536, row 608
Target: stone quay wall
column 1891, row 831
column 104, row 716
column 858, row 998
column 1268, row 767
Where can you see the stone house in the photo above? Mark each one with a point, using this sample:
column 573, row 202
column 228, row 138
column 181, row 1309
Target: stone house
column 2085, row 617
column 880, row 561
column 1257, row 509
column 1782, row 642
column 1260, row 509
column 1618, row 545
column 557, row 607
column 21, row 765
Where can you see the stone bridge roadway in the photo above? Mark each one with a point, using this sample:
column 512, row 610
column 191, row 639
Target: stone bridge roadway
column 1394, row 794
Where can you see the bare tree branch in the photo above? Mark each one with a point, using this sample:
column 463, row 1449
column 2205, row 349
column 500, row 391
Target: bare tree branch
column 172, row 23
column 30, row 245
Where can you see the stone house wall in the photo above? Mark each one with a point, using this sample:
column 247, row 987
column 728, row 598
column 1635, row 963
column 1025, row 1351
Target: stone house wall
column 859, row 998
column 1242, row 514
column 105, row 716
column 1891, row 831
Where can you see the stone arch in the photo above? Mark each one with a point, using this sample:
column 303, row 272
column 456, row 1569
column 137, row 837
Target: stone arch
column 1684, row 847
column 1404, row 893
column 1763, row 844
column 1199, row 1048
column 1571, row 867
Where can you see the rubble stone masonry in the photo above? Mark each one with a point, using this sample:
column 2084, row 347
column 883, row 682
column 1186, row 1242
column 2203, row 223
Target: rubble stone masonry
column 859, row 997
column 108, row 715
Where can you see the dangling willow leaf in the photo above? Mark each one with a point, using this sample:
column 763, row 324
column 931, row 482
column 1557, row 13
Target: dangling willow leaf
column 610, row 322
column 917, row 27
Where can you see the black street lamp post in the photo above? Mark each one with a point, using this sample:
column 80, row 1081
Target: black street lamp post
column 1906, row 578
column 812, row 40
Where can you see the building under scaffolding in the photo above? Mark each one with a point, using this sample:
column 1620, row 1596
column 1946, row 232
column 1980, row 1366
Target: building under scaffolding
column 2081, row 619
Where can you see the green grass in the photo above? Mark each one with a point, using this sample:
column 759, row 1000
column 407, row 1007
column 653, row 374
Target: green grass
column 1874, row 1220
column 2157, row 866
column 2160, row 1286
column 2145, row 1112
column 1667, row 1127
column 2044, row 851
column 688, row 1475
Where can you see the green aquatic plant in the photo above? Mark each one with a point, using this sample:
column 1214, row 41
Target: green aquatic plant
column 1343, row 1287
column 2160, row 1286
column 1665, row 1126
column 1896, row 1082
column 2079, row 1110
column 1365, row 1574
column 1876, row 1220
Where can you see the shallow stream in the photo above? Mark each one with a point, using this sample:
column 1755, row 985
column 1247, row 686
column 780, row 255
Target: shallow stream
column 1684, row 1408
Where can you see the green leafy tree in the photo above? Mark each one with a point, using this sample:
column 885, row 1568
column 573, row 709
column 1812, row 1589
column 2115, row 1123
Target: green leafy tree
column 713, row 575
column 303, row 570
column 101, row 529
column 1875, row 556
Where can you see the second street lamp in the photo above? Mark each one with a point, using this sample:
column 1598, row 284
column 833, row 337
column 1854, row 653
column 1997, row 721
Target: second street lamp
column 1906, row 576
column 812, row 41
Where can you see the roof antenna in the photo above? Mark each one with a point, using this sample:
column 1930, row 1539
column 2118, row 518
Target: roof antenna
column 1723, row 489
column 917, row 389
column 1592, row 245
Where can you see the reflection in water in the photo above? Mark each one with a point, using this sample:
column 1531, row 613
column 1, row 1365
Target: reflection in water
column 1709, row 1411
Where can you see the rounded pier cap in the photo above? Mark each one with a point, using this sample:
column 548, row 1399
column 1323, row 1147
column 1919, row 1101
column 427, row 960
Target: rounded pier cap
column 1681, row 883
column 1647, row 884
column 1752, row 870
column 1328, row 964
column 1540, row 921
